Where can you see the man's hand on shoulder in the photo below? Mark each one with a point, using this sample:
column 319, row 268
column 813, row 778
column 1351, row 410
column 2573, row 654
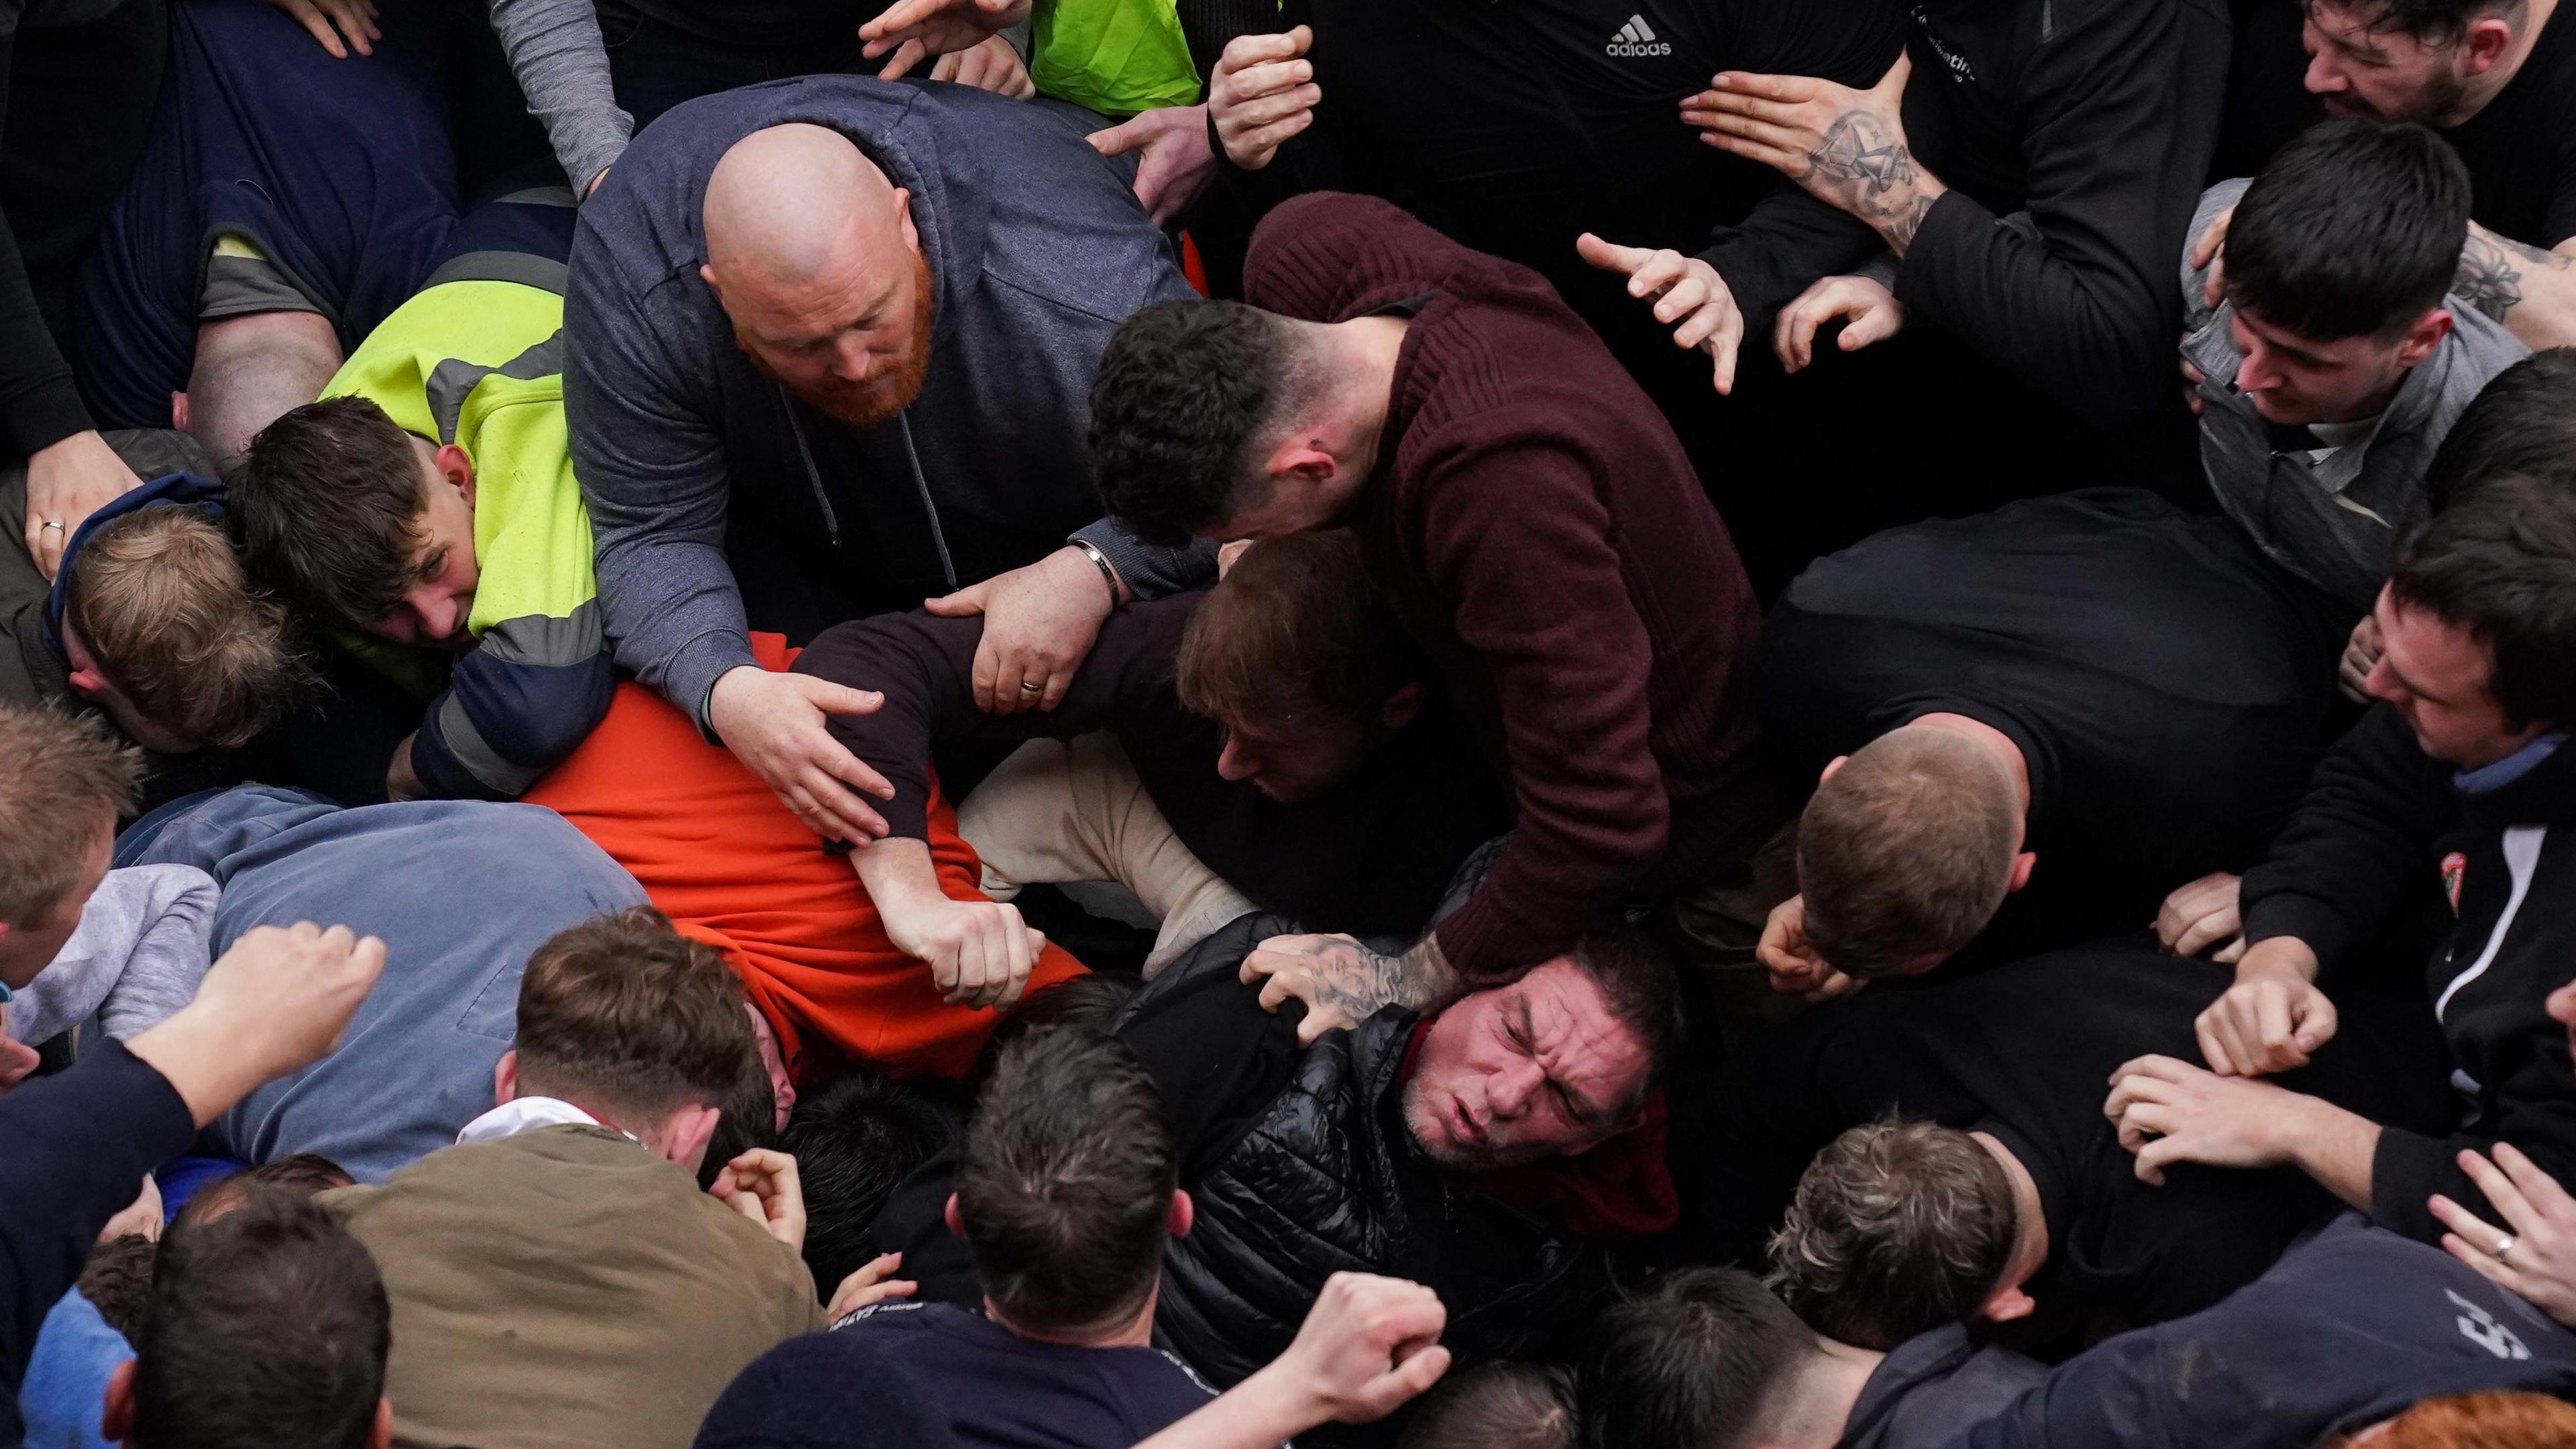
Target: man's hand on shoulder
column 1177, row 164
column 1039, row 624
column 776, row 725
column 1342, row 982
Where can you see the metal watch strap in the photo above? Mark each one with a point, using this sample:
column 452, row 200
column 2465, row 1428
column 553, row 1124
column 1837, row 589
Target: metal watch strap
column 1100, row 561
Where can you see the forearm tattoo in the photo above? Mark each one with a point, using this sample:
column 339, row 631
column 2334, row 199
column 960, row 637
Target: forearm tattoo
column 2492, row 270
column 1357, row 982
column 1864, row 167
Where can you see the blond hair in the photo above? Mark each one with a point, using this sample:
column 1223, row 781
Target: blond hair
column 162, row 604
column 62, row 780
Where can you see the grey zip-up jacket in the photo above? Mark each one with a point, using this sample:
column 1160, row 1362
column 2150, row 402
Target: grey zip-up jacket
column 2332, row 517
column 687, row 452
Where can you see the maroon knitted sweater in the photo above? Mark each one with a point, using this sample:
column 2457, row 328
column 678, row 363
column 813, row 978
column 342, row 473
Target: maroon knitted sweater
column 1536, row 525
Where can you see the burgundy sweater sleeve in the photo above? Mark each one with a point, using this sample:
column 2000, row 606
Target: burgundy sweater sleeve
column 1538, row 596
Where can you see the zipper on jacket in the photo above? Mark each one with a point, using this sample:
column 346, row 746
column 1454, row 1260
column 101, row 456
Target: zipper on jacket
column 938, row 535
column 813, row 475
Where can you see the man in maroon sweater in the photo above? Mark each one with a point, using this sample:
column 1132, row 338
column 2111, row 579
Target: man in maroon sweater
column 1531, row 517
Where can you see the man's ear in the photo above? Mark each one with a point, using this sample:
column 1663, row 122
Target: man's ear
column 505, row 1078
column 2021, row 870
column 382, row 1435
column 2008, row 1304
column 179, row 411
column 956, row 1224
column 1184, row 1212
column 89, row 684
column 1299, row 459
column 707, row 274
column 1836, row 763
column 2483, row 44
column 1402, row 707
column 903, row 217
column 2429, row 331
column 456, row 466
column 692, row 1128
column 116, row 1411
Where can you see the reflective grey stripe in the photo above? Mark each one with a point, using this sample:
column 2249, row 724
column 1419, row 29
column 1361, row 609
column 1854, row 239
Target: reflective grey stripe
column 451, row 381
column 466, row 743
column 543, row 273
column 535, row 639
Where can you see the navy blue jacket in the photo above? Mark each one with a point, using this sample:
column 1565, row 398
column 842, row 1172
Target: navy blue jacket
column 73, row 1151
column 340, row 171
column 2352, row 1327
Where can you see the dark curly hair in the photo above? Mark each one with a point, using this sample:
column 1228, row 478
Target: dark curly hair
column 1183, row 393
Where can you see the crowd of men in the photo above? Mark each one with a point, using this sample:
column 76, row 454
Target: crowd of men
column 1057, row 724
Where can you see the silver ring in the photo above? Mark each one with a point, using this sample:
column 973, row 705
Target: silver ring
column 55, row 523
column 2503, row 1246
column 1028, row 688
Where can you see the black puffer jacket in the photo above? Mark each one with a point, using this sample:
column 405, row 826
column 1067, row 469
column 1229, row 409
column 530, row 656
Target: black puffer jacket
column 1300, row 1166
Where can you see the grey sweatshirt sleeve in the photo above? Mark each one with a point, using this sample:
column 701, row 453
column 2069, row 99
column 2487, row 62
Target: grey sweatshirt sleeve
column 1151, row 572
column 137, row 957
column 555, row 50
column 652, row 471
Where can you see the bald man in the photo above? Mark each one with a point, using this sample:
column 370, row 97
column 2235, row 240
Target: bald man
column 831, row 347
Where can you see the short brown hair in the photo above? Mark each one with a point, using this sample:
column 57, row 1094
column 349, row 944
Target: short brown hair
column 1898, row 1228
column 327, row 499
column 1499, row 1405
column 625, row 1015
column 161, row 602
column 62, row 780
column 2488, row 1419
column 1295, row 634
column 1906, row 850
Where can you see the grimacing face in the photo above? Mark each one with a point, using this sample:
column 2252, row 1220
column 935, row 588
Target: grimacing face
column 1520, row 1073
column 2358, row 69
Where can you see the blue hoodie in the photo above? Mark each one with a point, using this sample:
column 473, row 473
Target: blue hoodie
column 1037, row 249
column 462, row 891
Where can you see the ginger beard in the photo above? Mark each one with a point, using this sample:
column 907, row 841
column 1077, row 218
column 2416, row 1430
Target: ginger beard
column 881, row 397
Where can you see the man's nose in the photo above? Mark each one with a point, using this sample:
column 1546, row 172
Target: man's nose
column 2255, row 373
column 2381, row 682
column 852, row 361
column 434, row 611
column 1234, row 762
column 2323, row 78
column 1509, row 1094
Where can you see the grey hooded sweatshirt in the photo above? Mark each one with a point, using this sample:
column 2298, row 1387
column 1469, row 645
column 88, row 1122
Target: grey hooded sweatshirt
column 689, row 455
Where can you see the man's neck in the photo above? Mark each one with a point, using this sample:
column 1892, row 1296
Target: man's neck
column 2484, row 90
column 1134, row 1331
column 1362, row 355
column 2030, row 1214
column 1819, row 1406
column 1993, row 739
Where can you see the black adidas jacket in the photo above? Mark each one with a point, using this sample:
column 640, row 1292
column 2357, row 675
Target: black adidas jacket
column 2383, row 817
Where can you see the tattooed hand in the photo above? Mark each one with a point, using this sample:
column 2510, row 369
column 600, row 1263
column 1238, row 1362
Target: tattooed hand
column 1846, row 147
column 1342, row 982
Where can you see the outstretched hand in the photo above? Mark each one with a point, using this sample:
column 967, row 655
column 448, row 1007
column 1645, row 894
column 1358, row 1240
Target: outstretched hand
column 913, row 29
column 2534, row 1253
column 1846, row 147
column 1687, row 293
column 328, row 20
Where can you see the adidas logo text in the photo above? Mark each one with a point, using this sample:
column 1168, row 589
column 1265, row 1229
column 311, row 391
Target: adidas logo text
column 1637, row 38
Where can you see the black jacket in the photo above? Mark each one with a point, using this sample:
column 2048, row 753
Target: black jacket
column 2384, row 819
column 1300, row 1166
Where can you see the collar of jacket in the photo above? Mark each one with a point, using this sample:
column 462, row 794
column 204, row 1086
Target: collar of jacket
column 182, row 490
column 2545, row 794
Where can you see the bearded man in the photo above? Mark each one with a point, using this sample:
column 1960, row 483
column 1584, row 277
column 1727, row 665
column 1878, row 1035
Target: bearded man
column 831, row 345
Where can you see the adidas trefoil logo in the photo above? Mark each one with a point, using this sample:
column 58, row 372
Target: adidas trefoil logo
column 1637, row 38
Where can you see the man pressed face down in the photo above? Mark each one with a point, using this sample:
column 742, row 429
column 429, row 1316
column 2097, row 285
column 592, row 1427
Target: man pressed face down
column 439, row 599
column 1517, row 1074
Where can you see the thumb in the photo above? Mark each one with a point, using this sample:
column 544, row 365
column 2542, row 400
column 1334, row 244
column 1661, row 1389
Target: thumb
column 1893, row 83
column 1417, row 1374
column 1608, row 256
column 1037, row 940
column 839, row 698
column 1118, row 140
column 1868, row 325
column 966, row 603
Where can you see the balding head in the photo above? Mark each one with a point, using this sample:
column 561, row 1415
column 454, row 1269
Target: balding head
column 813, row 253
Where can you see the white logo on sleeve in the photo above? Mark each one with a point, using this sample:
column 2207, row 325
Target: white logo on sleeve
column 2479, row 1327
column 1637, row 38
